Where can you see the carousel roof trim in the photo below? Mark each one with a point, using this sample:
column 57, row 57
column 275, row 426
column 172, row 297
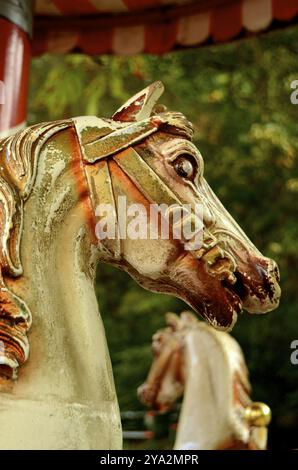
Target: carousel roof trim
column 152, row 26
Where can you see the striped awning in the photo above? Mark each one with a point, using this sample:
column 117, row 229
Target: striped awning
column 153, row 26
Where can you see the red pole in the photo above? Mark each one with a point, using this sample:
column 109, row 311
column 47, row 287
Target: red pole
column 15, row 46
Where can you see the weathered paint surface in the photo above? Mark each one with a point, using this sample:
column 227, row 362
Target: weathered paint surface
column 52, row 177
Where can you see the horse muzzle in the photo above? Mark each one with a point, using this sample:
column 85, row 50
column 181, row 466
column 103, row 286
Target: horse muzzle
column 258, row 285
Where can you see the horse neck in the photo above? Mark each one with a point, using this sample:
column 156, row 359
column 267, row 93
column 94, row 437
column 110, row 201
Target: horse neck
column 68, row 353
column 205, row 418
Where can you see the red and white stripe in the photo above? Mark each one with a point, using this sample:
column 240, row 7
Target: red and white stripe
column 172, row 24
column 87, row 7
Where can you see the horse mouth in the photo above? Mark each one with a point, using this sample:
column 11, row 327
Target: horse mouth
column 255, row 293
column 227, row 285
column 238, row 287
column 231, row 291
column 222, row 266
column 236, row 291
column 259, row 288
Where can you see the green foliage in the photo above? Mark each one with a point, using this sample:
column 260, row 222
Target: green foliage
column 238, row 97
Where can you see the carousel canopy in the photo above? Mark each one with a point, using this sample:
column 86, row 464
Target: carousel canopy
column 153, row 26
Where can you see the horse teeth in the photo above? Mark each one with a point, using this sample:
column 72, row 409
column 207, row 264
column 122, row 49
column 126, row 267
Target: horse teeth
column 231, row 279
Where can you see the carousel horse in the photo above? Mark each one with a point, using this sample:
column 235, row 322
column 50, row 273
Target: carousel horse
column 53, row 178
column 208, row 367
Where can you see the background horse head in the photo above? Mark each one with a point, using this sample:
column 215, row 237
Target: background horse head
column 206, row 366
column 54, row 180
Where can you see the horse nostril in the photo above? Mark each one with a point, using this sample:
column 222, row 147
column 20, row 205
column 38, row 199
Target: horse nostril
column 263, row 273
column 267, row 269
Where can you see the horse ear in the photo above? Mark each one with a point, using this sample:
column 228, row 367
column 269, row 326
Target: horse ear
column 140, row 106
column 173, row 320
column 188, row 318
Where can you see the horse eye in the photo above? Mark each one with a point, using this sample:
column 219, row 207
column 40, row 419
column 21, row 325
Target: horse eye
column 185, row 166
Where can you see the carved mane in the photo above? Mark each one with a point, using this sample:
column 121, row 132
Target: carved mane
column 18, row 166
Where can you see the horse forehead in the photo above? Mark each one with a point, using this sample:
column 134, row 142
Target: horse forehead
column 100, row 138
column 170, row 340
column 90, row 128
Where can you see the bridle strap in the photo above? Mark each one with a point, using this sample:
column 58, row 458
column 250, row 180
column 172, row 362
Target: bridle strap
column 144, row 178
column 101, row 192
column 156, row 191
column 120, row 139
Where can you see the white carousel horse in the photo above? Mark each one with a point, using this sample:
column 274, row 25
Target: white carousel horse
column 53, row 176
column 208, row 368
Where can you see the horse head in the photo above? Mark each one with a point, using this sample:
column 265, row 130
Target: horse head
column 148, row 157
column 165, row 382
column 192, row 358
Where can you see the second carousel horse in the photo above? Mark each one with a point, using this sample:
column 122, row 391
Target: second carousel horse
column 207, row 368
